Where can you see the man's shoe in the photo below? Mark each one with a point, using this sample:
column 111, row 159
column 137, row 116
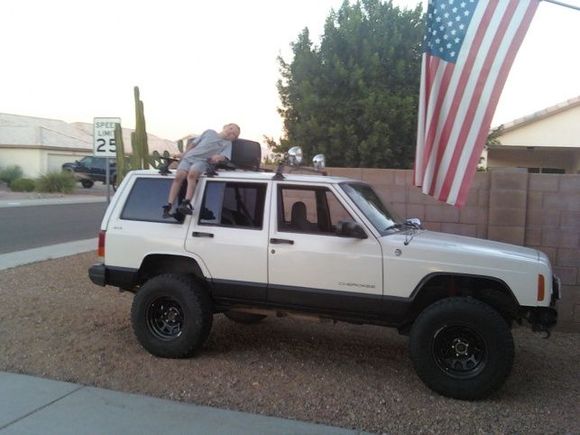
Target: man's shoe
column 166, row 211
column 185, row 207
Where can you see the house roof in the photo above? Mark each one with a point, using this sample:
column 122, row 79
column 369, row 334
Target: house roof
column 542, row 114
column 33, row 131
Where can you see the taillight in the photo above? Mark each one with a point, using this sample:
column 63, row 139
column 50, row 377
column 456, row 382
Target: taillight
column 541, row 288
column 101, row 245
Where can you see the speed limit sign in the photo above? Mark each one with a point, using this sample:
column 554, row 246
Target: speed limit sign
column 104, row 137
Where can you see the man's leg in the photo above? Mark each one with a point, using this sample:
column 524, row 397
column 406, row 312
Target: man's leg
column 192, row 177
column 180, row 176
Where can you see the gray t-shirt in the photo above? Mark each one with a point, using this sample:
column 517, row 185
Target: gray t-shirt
column 209, row 144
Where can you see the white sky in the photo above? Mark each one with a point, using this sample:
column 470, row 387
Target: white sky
column 200, row 64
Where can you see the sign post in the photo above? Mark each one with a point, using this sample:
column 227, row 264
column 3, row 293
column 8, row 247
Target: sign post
column 104, row 144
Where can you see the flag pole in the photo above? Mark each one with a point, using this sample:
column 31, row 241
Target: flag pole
column 566, row 5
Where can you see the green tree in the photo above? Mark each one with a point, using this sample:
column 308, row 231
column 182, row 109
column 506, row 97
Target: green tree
column 354, row 98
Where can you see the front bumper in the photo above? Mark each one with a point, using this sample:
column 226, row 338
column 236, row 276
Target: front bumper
column 543, row 319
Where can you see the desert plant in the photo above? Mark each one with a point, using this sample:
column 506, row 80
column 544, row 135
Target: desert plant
column 22, row 185
column 61, row 182
column 140, row 157
column 10, row 173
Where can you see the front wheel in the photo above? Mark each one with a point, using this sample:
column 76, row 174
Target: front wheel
column 461, row 348
column 87, row 184
column 171, row 316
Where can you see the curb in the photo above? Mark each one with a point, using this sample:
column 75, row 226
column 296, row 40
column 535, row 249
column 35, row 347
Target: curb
column 34, row 255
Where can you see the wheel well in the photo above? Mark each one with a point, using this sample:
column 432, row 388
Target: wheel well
column 157, row 264
column 491, row 291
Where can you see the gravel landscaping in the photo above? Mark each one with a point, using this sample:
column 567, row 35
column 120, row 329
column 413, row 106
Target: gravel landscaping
column 56, row 324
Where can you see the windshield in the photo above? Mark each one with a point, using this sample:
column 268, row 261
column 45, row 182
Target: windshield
column 371, row 205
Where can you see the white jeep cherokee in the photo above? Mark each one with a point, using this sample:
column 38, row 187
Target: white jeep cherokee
column 261, row 244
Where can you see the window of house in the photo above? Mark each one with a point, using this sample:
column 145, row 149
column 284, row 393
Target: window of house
column 309, row 209
column 233, row 204
column 145, row 200
column 546, row 171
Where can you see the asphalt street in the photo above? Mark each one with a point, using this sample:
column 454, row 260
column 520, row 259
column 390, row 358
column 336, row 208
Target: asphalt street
column 31, row 227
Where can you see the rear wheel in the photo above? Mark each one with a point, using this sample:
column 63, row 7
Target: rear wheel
column 461, row 348
column 246, row 318
column 171, row 316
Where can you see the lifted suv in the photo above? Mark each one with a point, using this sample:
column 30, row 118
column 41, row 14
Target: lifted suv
column 90, row 169
column 261, row 244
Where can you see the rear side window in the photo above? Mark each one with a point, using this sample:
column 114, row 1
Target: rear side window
column 239, row 205
column 145, row 200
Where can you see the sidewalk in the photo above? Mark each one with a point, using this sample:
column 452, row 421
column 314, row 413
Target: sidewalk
column 30, row 405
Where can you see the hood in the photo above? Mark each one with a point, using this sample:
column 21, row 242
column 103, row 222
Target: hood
column 472, row 245
column 451, row 252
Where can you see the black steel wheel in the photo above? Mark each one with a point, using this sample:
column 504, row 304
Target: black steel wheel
column 459, row 351
column 87, row 184
column 164, row 318
column 171, row 316
column 461, row 348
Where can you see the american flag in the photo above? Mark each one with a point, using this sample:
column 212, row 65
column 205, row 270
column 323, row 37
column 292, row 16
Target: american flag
column 469, row 47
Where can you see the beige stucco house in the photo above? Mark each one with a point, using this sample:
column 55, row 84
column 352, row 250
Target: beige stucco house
column 547, row 141
column 40, row 145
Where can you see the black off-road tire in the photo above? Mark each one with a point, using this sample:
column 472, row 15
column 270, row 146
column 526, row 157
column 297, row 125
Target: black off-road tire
column 172, row 316
column 245, row 318
column 461, row 348
column 87, row 184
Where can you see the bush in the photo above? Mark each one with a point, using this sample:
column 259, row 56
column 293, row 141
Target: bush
column 10, row 173
column 22, row 185
column 62, row 182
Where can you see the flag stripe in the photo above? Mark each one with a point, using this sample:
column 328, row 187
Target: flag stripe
column 474, row 140
column 463, row 187
column 445, row 72
column 460, row 145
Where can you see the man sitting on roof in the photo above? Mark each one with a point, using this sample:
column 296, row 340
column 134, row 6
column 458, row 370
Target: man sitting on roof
column 210, row 147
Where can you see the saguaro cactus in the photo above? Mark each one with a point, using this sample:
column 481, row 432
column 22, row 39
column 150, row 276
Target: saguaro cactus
column 139, row 138
column 140, row 158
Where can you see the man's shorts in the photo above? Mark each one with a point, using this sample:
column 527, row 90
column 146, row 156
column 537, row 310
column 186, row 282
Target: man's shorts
column 192, row 164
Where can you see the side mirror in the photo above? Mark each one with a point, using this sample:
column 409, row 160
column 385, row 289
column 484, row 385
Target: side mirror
column 350, row 229
column 415, row 222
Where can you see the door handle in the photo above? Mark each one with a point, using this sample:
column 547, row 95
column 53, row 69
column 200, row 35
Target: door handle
column 198, row 234
column 281, row 241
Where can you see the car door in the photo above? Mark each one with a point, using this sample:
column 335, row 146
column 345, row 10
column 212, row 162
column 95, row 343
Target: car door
column 310, row 266
column 229, row 231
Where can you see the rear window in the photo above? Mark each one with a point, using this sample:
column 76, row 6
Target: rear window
column 145, row 200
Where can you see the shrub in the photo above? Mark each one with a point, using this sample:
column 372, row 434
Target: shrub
column 63, row 182
column 22, row 185
column 10, row 173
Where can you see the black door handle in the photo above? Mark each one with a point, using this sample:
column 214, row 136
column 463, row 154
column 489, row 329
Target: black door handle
column 198, row 234
column 281, row 241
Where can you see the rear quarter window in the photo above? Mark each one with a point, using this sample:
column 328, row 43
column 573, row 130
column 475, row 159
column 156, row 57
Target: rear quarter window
column 145, row 200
